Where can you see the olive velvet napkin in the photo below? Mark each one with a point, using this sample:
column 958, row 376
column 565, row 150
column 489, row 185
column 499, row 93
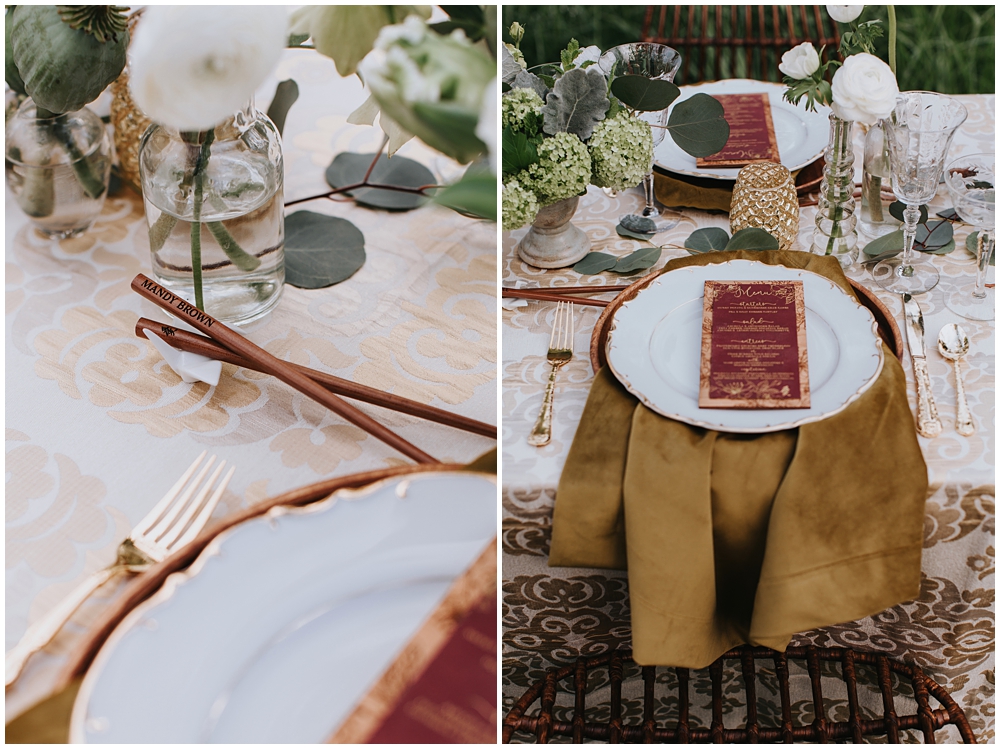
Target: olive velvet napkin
column 745, row 538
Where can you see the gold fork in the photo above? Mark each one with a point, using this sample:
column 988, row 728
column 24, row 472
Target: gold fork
column 173, row 522
column 560, row 352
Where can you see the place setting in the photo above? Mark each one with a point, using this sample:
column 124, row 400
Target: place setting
column 210, row 251
column 698, row 511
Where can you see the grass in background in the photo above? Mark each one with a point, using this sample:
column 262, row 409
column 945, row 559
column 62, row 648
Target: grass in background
column 944, row 48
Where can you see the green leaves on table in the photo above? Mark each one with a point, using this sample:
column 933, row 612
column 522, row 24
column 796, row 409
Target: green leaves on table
column 349, row 168
column 636, row 227
column 698, row 125
column 598, row 262
column 644, row 94
column 321, row 250
column 714, row 239
column 897, row 207
column 595, row 262
column 932, row 238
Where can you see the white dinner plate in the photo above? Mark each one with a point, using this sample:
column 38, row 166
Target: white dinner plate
column 654, row 347
column 802, row 135
column 284, row 622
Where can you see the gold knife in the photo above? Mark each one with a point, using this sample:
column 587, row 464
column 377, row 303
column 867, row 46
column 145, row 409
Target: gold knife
column 928, row 423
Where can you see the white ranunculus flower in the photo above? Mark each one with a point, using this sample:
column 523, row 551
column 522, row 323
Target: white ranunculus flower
column 588, row 54
column 864, row 89
column 486, row 128
column 800, row 62
column 844, row 13
column 193, row 66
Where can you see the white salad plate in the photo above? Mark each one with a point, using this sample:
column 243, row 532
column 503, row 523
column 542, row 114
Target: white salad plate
column 802, row 135
column 284, row 622
column 654, row 347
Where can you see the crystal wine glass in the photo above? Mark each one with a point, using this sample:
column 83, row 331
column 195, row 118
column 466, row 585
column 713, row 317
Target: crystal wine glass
column 971, row 180
column 919, row 130
column 655, row 61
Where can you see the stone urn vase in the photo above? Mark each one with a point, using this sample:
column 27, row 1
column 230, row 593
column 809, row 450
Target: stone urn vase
column 552, row 241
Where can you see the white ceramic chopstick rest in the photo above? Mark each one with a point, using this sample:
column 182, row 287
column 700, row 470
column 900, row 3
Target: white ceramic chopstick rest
column 191, row 367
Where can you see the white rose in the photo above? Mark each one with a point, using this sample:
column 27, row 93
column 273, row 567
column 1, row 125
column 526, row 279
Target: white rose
column 588, row 54
column 800, row 62
column 864, row 89
column 486, row 128
column 844, row 13
column 193, row 66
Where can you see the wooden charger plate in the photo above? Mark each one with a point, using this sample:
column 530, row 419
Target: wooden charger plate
column 887, row 329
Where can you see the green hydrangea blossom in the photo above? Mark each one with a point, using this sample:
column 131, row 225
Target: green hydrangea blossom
column 562, row 171
column 522, row 111
column 519, row 206
column 621, row 151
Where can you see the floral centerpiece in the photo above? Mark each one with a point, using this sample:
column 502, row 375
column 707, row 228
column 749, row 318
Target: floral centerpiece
column 571, row 125
column 863, row 89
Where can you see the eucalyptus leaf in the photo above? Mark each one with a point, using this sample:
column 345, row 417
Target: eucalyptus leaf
column 518, row 153
column 349, row 168
column 934, row 235
column 595, row 262
column 450, row 128
column 897, row 207
column 473, row 195
column 576, row 103
column 641, row 259
column 710, row 239
column 296, row 40
column 284, row 96
column 752, row 239
column 524, row 79
column 698, row 125
column 644, row 94
column 949, row 214
column 943, row 250
column 971, row 244
column 321, row 250
column 888, row 243
column 623, row 232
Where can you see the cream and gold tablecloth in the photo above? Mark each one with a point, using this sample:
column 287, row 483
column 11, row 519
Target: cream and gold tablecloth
column 98, row 428
column 554, row 615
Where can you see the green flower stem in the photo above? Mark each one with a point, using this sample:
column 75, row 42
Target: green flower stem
column 236, row 254
column 892, row 38
column 200, row 167
column 92, row 184
column 160, row 230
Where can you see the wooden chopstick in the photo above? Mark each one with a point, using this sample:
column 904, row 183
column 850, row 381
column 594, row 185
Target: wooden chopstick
column 571, row 289
column 269, row 364
column 546, row 297
column 197, row 344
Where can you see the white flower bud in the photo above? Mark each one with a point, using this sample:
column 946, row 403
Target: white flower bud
column 800, row 62
column 844, row 13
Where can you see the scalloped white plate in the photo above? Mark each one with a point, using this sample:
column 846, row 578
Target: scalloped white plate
column 802, row 135
column 654, row 347
column 285, row 621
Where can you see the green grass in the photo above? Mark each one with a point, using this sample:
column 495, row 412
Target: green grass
column 944, row 48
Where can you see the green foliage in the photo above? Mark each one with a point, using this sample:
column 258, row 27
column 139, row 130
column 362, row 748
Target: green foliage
column 972, row 246
column 285, row 95
column 473, row 195
column 321, row 250
column 816, row 89
column 577, row 102
column 644, row 257
column 349, row 168
column 752, row 239
column 595, row 262
column 518, row 152
column 698, row 125
column 897, row 207
column 569, row 54
column 860, row 38
column 709, row 239
column 644, row 94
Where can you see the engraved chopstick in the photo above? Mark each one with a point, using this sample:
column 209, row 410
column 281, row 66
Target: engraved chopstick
column 197, row 344
column 269, row 364
column 577, row 289
column 544, row 296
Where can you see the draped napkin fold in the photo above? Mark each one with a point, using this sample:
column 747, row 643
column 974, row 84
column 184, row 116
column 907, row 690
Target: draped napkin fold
column 745, row 538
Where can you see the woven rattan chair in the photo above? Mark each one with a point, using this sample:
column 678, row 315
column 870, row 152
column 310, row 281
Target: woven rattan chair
column 738, row 678
column 732, row 41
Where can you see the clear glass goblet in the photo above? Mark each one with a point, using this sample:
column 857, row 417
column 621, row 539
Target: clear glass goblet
column 971, row 180
column 920, row 130
column 655, row 61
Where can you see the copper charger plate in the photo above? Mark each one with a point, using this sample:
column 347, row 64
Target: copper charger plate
column 887, row 329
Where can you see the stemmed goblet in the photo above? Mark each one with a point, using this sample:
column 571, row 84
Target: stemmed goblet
column 654, row 61
column 920, row 130
column 972, row 183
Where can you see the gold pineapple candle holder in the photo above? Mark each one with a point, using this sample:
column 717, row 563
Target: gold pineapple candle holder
column 764, row 197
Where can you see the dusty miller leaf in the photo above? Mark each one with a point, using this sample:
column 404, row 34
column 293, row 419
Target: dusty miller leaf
column 510, row 68
column 576, row 103
column 524, row 79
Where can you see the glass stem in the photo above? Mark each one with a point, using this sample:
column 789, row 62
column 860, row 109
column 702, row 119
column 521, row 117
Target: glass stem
column 647, row 188
column 984, row 247
column 910, row 218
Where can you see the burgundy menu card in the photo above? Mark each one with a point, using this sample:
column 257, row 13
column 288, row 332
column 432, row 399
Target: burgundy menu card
column 751, row 132
column 753, row 345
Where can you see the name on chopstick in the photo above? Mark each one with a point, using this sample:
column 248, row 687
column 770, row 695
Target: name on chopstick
column 179, row 304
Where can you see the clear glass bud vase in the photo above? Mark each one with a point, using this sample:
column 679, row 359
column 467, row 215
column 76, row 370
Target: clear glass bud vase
column 58, row 167
column 876, row 176
column 836, row 233
column 215, row 209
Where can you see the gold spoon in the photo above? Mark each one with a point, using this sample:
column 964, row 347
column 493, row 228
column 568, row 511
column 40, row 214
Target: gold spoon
column 953, row 344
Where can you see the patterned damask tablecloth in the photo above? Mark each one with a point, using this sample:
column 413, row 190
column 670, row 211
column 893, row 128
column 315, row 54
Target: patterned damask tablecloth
column 98, row 428
column 554, row 615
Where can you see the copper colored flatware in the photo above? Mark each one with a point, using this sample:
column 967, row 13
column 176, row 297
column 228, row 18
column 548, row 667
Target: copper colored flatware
column 269, row 364
column 197, row 344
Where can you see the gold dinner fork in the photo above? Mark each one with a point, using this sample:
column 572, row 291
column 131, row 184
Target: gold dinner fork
column 174, row 521
column 560, row 352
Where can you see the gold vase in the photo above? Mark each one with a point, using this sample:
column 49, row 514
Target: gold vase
column 129, row 123
column 764, row 197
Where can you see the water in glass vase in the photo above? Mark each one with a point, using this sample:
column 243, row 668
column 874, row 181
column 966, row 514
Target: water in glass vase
column 54, row 197
column 240, row 242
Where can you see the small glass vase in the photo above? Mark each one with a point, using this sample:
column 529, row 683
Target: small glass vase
column 876, row 174
column 58, row 167
column 215, row 209
column 836, row 233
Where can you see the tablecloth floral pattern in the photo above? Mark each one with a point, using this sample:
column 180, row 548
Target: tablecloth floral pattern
column 98, row 427
column 554, row 615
